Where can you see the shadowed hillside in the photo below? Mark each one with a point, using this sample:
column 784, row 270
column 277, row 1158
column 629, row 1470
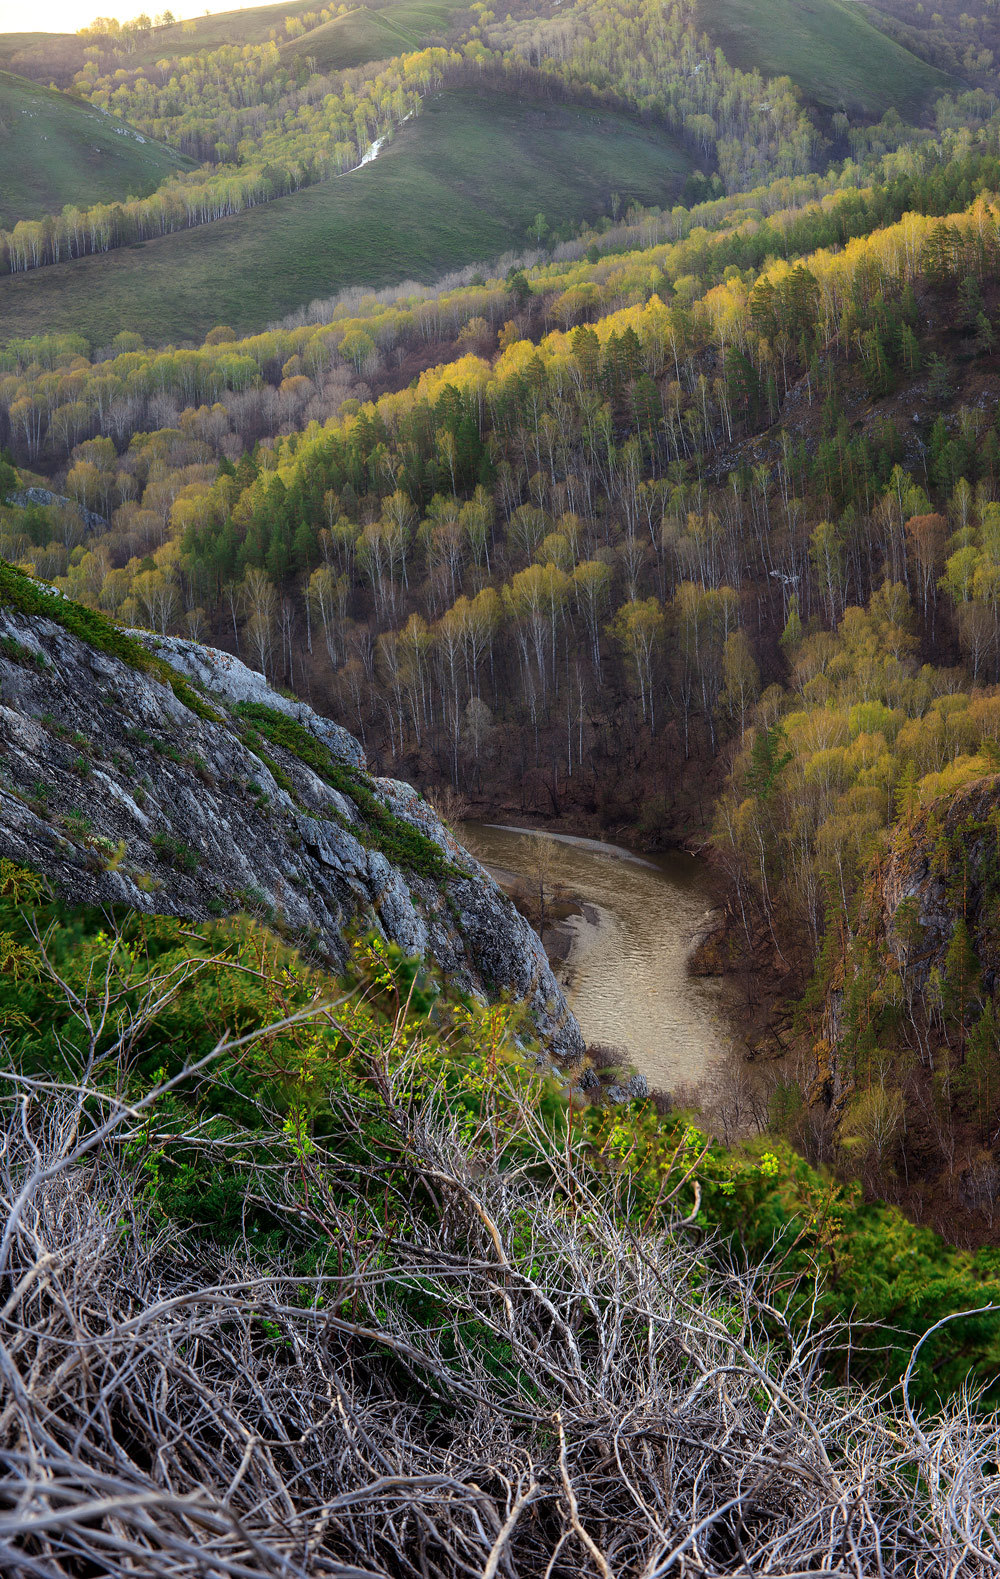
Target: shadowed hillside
column 830, row 48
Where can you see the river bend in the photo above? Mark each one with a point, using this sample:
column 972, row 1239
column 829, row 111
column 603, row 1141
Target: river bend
column 626, row 975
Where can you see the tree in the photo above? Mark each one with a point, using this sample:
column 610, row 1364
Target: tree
column 827, row 553
column 962, row 977
column 518, row 289
column 592, row 587
column 639, row 628
column 326, row 597
column 740, row 677
column 156, row 594
column 927, row 535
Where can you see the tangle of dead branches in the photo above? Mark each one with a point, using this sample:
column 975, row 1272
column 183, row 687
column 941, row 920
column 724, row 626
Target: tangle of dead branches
column 500, row 1378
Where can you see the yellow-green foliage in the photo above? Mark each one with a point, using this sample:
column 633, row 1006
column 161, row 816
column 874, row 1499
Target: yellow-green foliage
column 864, row 734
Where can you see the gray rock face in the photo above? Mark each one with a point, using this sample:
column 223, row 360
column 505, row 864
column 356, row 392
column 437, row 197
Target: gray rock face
column 44, row 496
column 232, row 681
column 635, row 1089
column 113, row 787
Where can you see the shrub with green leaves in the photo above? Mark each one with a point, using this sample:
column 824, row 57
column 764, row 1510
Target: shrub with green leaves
column 287, row 1241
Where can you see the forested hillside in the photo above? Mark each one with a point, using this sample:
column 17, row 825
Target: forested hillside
column 266, row 118
column 661, row 500
column 594, row 408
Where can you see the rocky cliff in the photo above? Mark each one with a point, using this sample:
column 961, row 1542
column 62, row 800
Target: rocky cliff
column 938, row 880
column 170, row 777
column 907, row 1061
column 942, row 868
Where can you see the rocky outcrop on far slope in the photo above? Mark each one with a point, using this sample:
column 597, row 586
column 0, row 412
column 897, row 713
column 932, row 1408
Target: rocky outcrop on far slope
column 171, row 778
column 45, row 497
column 935, row 890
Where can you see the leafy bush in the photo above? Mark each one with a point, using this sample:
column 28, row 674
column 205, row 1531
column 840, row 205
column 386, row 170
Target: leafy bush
column 354, row 1211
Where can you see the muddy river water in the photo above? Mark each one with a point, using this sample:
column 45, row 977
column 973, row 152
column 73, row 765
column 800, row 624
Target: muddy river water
column 625, row 973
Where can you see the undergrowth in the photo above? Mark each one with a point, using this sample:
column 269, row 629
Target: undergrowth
column 331, row 1246
column 832, row 1254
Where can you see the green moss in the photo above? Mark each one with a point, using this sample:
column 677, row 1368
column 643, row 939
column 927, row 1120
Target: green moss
column 188, row 695
column 397, row 840
column 277, row 772
column 18, row 591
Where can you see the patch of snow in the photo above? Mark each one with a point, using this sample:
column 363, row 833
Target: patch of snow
column 376, row 147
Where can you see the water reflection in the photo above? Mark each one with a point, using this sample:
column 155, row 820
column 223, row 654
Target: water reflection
column 625, row 975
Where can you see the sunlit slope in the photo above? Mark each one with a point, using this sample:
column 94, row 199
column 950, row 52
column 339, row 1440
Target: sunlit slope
column 62, row 54
column 12, row 44
column 829, row 48
column 460, row 183
column 56, row 150
column 375, row 32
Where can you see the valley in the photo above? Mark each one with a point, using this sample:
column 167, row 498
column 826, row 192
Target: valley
column 458, row 185
column 625, row 948
column 500, row 792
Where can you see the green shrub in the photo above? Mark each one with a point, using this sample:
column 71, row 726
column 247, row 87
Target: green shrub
column 174, row 852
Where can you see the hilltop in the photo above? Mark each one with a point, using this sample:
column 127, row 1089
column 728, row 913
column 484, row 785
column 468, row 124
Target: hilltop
column 375, row 32
column 61, row 55
column 833, row 50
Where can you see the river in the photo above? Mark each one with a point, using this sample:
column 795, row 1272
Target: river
column 625, row 974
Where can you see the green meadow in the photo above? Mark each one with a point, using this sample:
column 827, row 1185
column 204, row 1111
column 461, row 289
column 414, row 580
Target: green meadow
column 56, row 150
column 460, row 183
column 830, row 49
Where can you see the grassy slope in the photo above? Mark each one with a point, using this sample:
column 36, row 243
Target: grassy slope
column 251, row 26
column 459, row 183
column 55, row 150
column 12, row 44
column 376, row 32
column 834, row 53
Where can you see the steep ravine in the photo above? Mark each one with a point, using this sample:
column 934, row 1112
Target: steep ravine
column 210, row 793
